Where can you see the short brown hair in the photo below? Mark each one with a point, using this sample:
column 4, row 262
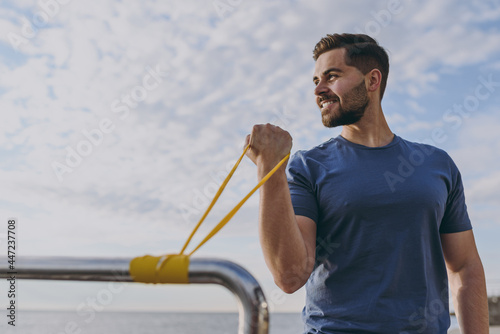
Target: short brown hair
column 362, row 52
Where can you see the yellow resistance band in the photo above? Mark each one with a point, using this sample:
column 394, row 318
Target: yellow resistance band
column 173, row 268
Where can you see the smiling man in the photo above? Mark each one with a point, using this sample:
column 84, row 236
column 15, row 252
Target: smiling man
column 375, row 256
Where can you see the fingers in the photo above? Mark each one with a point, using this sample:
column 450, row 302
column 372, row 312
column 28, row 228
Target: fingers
column 256, row 130
column 247, row 141
column 268, row 144
column 268, row 136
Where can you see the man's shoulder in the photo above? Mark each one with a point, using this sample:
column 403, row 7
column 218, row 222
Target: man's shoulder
column 422, row 154
column 427, row 149
column 313, row 158
column 317, row 153
column 317, row 150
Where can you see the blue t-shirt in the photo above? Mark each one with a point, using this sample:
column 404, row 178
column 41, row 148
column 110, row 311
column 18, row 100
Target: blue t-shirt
column 379, row 214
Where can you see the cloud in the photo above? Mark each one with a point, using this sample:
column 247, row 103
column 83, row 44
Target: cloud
column 478, row 162
column 222, row 75
column 90, row 58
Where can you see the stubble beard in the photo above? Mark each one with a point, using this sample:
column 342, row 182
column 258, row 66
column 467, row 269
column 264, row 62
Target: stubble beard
column 350, row 110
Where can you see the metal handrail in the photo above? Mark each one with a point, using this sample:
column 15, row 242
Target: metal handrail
column 252, row 305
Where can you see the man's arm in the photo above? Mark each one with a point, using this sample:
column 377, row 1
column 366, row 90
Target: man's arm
column 467, row 282
column 288, row 241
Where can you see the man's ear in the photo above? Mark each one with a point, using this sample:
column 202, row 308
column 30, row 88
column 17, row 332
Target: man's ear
column 374, row 80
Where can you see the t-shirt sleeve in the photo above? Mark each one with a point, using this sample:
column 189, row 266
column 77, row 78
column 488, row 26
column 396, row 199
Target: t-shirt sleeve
column 456, row 218
column 301, row 187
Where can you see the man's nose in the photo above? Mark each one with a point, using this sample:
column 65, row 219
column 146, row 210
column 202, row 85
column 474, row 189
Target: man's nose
column 320, row 89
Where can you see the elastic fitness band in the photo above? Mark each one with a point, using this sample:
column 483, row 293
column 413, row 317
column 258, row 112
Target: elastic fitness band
column 173, row 268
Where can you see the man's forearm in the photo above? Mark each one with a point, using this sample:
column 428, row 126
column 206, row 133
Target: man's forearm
column 470, row 298
column 282, row 243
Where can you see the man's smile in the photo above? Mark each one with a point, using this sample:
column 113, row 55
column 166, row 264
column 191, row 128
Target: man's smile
column 327, row 103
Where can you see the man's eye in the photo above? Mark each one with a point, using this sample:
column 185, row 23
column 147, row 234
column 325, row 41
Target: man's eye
column 330, row 76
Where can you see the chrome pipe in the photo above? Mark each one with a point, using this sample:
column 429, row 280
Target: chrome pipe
column 252, row 305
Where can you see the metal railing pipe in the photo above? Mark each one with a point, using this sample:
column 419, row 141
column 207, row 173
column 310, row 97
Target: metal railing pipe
column 252, row 305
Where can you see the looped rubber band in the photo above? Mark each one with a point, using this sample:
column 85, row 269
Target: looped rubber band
column 214, row 200
column 173, row 268
column 231, row 213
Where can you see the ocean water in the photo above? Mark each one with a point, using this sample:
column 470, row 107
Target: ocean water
column 45, row 322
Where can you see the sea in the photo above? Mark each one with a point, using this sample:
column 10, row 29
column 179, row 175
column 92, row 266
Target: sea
column 50, row 322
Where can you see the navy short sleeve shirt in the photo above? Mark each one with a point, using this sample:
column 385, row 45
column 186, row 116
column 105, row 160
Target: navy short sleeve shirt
column 379, row 214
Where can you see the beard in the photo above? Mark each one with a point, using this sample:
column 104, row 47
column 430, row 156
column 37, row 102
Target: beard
column 350, row 110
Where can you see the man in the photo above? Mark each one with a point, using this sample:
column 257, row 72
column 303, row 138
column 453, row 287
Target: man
column 374, row 225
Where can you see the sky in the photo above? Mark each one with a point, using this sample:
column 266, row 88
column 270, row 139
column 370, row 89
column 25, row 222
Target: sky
column 121, row 118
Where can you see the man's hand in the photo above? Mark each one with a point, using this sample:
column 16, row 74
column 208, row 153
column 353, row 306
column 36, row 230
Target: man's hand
column 268, row 145
column 288, row 241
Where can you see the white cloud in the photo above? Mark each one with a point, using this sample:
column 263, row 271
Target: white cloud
column 253, row 66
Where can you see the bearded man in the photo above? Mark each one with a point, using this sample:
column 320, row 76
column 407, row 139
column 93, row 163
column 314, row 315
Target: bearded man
column 374, row 243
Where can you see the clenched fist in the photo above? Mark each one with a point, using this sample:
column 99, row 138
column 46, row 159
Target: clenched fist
column 268, row 145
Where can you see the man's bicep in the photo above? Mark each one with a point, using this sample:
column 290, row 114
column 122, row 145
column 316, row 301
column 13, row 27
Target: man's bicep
column 307, row 228
column 459, row 249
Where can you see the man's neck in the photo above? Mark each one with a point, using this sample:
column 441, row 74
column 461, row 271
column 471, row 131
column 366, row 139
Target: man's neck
column 371, row 130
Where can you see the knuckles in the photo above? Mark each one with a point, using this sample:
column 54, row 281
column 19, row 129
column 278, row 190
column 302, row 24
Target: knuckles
column 268, row 142
column 269, row 129
column 265, row 135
